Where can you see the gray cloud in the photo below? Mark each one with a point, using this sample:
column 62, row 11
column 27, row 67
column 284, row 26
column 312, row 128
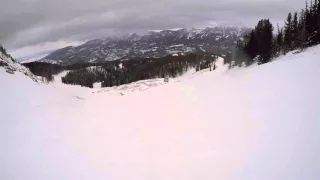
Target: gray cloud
column 32, row 22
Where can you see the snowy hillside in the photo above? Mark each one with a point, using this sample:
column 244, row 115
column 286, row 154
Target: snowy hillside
column 10, row 66
column 260, row 122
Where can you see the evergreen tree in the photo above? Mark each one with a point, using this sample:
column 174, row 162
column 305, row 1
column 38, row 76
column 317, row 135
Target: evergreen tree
column 288, row 33
column 317, row 38
column 279, row 40
column 294, row 30
column 301, row 37
column 311, row 24
column 267, row 41
column 300, row 31
column 259, row 43
column 307, row 23
column 251, row 47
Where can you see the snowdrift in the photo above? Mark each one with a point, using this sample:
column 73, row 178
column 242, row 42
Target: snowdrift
column 260, row 122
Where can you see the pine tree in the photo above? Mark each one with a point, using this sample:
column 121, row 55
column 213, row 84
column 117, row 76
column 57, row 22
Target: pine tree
column 260, row 42
column 288, row 33
column 294, row 30
column 279, row 40
column 313, row 22
column 307, row 22
column 301, row 33
column 268, row 41
column 317, row 38
column 251, row 47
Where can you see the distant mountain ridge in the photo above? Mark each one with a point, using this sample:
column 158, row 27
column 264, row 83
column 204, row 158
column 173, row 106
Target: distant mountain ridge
column 216, row 40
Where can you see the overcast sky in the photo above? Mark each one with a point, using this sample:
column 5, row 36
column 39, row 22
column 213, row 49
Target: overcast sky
column 37, row 23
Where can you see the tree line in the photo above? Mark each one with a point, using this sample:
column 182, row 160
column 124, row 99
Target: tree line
column 116, row 73
column 44, row 70
column 301, row 30
column 124, row 72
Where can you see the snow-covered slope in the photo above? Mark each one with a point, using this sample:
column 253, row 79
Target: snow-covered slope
column 260, row 122
column 12, row 67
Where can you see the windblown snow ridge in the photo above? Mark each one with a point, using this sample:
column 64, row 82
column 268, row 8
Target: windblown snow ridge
column 11, row 66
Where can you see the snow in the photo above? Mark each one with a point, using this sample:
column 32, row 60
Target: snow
column 177, row 45
column 175, row 29
column 260, row 122
column 57, row 77
column 50, row 61
column 33, row 58
column 97, row 85
column 11, row 66
column 92, row 60
column 132, row 87
column 202, row 49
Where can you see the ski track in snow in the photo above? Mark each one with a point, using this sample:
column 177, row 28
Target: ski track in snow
column 260, row 122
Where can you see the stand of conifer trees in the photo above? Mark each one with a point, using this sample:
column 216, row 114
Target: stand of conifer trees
column 116, row 73
column 301, row 30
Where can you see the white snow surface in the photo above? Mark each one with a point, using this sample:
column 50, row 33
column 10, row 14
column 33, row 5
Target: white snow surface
column 260, row 122
column 14, row 67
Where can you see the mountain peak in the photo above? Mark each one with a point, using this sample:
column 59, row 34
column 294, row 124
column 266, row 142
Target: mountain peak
column 218, row 40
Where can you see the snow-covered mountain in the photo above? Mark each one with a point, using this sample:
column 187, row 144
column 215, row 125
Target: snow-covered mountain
column 154, row 44
column 32, row 58
column 260, row 122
